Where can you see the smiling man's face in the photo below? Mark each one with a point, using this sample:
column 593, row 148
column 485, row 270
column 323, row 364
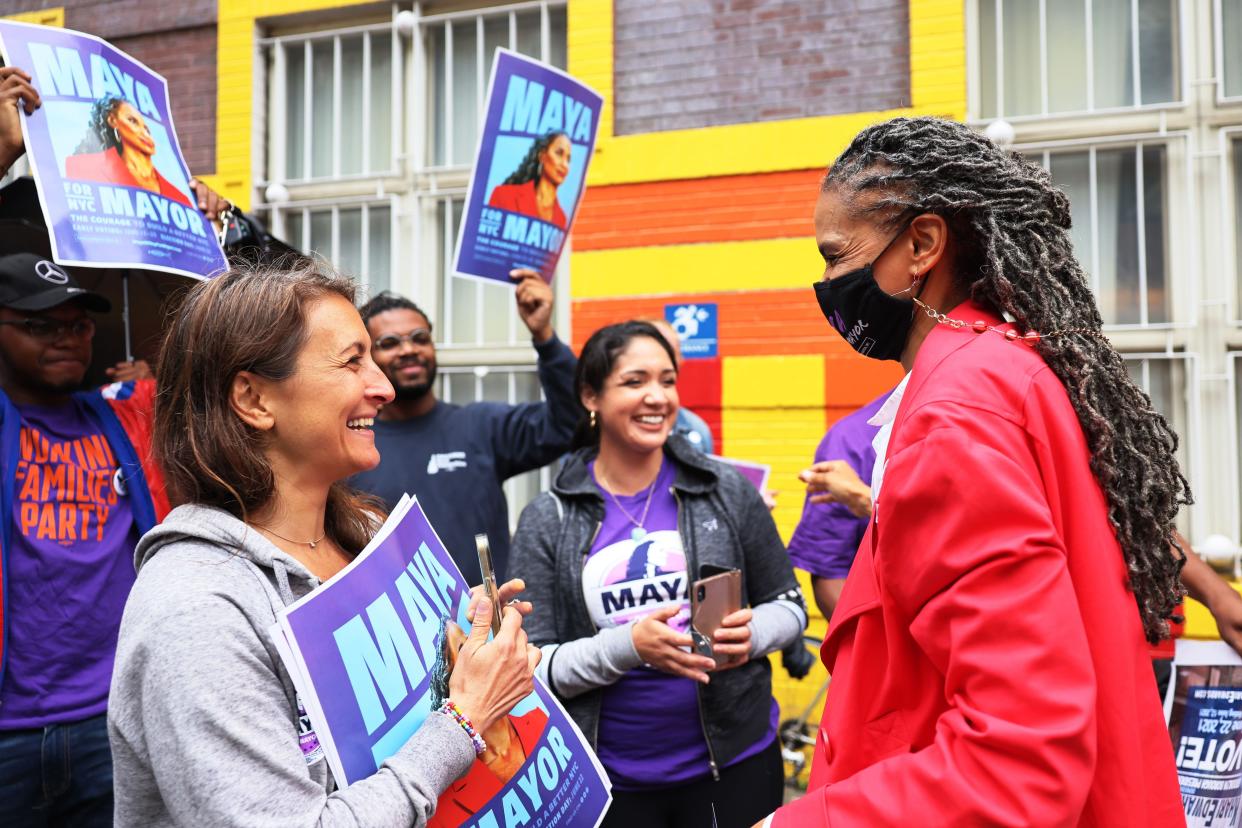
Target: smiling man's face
column 34, row 364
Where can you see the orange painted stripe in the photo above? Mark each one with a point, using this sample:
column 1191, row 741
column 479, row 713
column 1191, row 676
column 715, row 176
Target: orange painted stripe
column 725, row 208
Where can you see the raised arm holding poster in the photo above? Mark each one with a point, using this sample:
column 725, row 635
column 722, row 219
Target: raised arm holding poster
column 530, row 169
column 1204, row 709
column 370, row 652
column 112, row 181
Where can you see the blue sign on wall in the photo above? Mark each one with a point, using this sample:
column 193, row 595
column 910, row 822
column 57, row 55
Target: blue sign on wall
column 696, row 327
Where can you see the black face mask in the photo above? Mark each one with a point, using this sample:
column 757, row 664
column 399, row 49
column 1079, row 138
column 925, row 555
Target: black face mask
column 873, row 322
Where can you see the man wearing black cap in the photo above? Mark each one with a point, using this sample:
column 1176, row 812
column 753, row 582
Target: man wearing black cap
column 75, row 495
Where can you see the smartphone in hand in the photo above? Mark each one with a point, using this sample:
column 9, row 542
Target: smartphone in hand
column 711, row 599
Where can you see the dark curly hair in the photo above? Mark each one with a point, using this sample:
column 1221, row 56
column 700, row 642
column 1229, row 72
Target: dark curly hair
column 386, row 301
column 530, row 168
column 99, row 133
column 1015, row 256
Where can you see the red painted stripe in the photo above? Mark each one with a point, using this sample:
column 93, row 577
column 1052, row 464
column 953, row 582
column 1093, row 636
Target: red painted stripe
column 725, row 208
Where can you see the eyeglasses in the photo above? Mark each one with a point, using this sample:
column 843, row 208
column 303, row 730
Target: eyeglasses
column 50, row 330
column 391, row 342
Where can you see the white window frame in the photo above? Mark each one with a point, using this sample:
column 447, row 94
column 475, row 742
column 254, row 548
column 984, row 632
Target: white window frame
column 1182, row 287
column 1218, row 38
column 1230, row 243
column 974, row 68
column 1196, row 513
column 275, row 164
column 334, row 206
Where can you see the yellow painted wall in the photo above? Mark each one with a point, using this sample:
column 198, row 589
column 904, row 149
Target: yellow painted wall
column 44, row 17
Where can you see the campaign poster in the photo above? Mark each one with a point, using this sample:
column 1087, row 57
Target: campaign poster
column 696, row 325
column 530, row 169
column 113, row 184
column 371, row 653
column 1204, row 709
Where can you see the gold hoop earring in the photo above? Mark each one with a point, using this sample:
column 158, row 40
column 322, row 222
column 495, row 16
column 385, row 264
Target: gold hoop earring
column 592, row 419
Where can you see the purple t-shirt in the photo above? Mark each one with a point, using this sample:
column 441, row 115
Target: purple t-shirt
column 70, row 569
column 828, row 534
column 650, row 734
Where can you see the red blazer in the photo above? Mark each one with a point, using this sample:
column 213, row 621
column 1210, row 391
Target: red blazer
column 520, row 198
column 471, row 793
column 108, row 167
column 988, row 664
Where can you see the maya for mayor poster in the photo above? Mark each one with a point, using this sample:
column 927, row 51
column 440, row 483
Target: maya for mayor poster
column 530, row 170
column 112, row 181
column 370, row 652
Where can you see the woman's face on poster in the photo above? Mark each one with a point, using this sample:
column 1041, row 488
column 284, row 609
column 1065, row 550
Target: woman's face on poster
column 555, row 160
column 131, row 129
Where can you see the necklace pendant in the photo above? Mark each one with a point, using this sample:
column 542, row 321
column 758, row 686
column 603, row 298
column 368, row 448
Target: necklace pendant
column 637, row 534
column 312, row 544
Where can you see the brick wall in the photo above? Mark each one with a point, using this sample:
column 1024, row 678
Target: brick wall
column 176, row 39
column 681, row 64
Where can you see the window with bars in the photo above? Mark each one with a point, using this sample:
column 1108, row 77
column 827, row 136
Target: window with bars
column 334, row 96
column 512, row 385
column 1229, row 47
column 1118, row 201
column 356, row 237
column 460, row 49
column 1042, row 57
column 1168, row 380
column 1235, row 153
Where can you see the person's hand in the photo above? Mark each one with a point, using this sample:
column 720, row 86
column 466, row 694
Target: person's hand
column 211, row 203
column 126, row 371
column 490, row 677
column 507, row 591
column 733, row 639
column 835, row 481
column 660, row 646
column 769, row 498
column 16, row 93
column 1226, row 608
column 534, row 302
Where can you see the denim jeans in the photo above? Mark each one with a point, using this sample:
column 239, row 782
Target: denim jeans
column 57, row 775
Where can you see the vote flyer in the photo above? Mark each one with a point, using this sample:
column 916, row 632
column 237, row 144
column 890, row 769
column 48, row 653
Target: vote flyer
column 1204, row 711
column 370, row 652
column 530, row 169
column 113, row 184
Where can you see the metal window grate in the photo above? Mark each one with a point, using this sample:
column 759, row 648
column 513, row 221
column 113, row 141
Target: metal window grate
column 1042, row 57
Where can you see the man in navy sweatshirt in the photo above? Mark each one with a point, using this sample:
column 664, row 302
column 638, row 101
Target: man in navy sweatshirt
column 456, row 457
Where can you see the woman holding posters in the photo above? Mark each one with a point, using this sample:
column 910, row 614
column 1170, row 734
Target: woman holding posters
column 119, row 149
column 267, row 393
column 531, row 189
column 989, row 649
column 634, row 517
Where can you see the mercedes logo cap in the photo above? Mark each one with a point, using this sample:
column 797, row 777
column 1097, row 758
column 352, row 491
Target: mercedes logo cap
column 29, row 282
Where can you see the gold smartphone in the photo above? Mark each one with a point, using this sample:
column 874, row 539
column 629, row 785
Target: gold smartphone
column 489, row 579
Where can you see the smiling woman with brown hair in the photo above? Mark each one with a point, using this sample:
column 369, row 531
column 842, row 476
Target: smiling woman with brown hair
column 266, row 397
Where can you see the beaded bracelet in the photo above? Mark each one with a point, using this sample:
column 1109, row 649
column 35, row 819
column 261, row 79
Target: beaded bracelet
column 450, row 709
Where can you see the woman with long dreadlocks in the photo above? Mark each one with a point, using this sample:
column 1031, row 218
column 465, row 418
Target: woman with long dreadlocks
column 531, row 189
column 988, row 656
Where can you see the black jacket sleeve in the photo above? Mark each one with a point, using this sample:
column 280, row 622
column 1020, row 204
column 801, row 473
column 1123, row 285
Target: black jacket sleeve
column 532, row 557
column 534, row 434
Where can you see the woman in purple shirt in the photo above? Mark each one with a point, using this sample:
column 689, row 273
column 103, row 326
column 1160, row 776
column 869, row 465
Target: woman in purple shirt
column 608, row 555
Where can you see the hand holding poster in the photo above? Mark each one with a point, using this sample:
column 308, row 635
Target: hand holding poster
column 370, row 652
column 113, row 184
column 530, row 169
column 1204, row 709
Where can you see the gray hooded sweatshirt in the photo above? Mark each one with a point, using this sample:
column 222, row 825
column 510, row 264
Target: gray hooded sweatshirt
column 203, row 717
